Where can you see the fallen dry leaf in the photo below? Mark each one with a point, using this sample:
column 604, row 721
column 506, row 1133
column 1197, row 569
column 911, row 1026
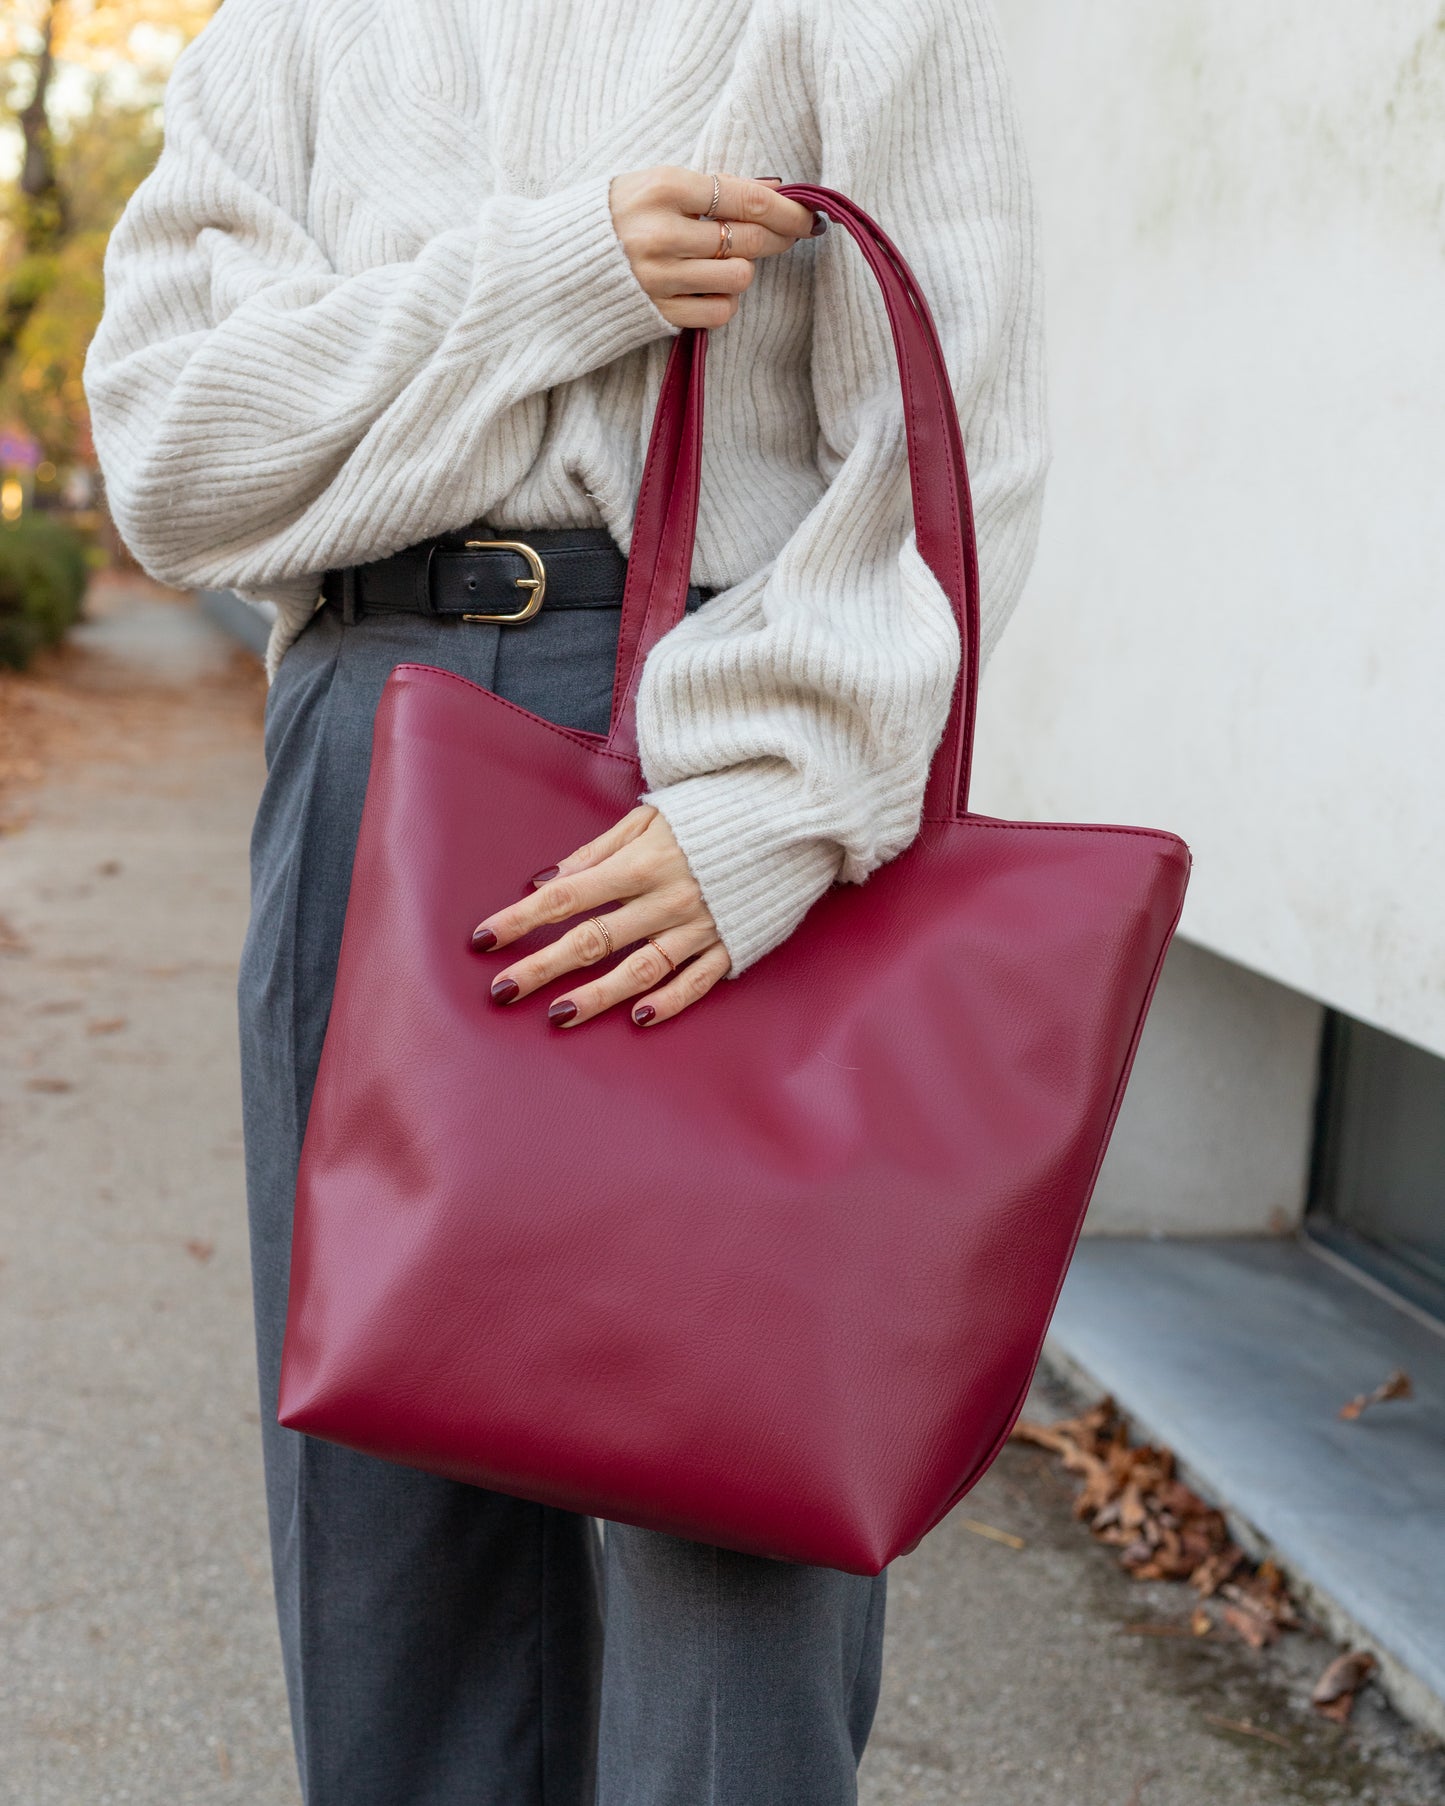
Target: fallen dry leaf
column 1264, row 1593
column 49, row 1085
column 1397, row 1385
column 1133, row 1499
column 1258, row 1632
column 1215, row 1569
column 106, row 1025
column 199, row 1250
column 1334, row 1692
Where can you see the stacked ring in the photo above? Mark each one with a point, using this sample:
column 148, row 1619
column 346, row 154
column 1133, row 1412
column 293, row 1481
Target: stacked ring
column 671, row 962
column 716, row 197
column 725, row 240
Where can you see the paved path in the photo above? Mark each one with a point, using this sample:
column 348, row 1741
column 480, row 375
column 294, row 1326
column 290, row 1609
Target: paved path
column 138, row 1657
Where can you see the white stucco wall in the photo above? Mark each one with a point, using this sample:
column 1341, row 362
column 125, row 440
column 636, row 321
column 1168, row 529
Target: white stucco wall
column 1236, row 627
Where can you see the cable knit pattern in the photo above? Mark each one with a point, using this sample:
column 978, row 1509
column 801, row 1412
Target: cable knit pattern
column 372, row 292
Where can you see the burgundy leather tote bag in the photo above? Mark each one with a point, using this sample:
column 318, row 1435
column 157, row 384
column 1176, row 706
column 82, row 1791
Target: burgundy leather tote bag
column 774, row 1275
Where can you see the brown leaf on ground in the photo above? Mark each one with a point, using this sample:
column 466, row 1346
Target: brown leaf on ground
column 106, row 1025
column 199, row 1250
column 1215, row 1569
column 1132, row 1498
column 1264, row 1593
column 49, row 1085
column 1257, row 1631
column 1335, row 1690
column 1397, row 1385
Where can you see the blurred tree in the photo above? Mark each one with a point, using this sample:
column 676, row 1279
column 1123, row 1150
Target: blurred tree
column 81, row 82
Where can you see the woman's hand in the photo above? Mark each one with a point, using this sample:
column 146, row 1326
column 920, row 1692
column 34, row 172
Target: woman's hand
column 638, row 866
column 674, row 252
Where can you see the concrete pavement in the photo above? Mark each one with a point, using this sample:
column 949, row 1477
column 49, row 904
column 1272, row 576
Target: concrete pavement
column 138, row 1661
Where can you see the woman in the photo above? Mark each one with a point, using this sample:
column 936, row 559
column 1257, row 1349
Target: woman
column 405, row 278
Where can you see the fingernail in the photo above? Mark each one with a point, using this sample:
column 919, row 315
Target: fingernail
column 643, row 1013
column 547, row 872
column 820, row 225
column 767, row 178
column 563, row 1010
column 504, row 990
column 483, row 940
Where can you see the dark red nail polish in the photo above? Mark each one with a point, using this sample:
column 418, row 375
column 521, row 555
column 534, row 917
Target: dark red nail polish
column 547, row 871
column 820, row 225
column 483, row 940
column 563, row 1010
column 504, row 990
column 643, row 1013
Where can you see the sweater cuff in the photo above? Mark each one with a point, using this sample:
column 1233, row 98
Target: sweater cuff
column 568, row 277
column 758, row 879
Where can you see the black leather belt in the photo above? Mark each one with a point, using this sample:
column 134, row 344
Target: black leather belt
column 480, row 575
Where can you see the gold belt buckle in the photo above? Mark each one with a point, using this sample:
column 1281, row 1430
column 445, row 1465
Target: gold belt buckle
column 536, row 583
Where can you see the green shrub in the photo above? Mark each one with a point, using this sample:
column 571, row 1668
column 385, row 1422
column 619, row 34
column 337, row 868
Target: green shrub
column 43, row 571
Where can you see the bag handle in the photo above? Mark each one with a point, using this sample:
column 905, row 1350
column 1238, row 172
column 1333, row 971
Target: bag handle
column 665, row 525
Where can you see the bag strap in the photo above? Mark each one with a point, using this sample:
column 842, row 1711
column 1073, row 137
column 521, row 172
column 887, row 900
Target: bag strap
column 665, row 525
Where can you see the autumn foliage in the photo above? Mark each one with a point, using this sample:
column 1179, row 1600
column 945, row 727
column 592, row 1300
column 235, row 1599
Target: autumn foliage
column 81, row 82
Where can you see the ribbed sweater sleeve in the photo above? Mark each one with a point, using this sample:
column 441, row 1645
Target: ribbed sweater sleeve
column 786, row 730
column 263, row 415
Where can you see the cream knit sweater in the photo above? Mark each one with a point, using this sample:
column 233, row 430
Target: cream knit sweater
column 372, row 291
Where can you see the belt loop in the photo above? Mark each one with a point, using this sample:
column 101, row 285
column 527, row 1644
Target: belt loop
column 348, row 594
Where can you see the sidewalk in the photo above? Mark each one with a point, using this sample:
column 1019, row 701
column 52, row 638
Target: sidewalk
column 138, row 1660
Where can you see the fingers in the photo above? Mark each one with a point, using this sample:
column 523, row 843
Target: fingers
column 634, row 889
column 638, row 854
column 570, row 894
column 620, row 834
column 643, row 969
column 673, row 250
column 589, row 943
column 700, row 238
column 707, row 311
column 756, row 203
column 692, row 982
column 728, row 276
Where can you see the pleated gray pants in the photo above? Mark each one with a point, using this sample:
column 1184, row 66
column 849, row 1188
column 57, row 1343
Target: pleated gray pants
column 444, row 1645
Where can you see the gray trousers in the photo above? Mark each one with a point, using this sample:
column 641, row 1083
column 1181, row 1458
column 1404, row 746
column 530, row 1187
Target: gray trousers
column 444, row 1645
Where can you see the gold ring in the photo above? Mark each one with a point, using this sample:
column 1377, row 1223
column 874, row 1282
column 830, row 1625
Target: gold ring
column 725, row 240
column 716, row 197
column 597, row 922
column 671, row 962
